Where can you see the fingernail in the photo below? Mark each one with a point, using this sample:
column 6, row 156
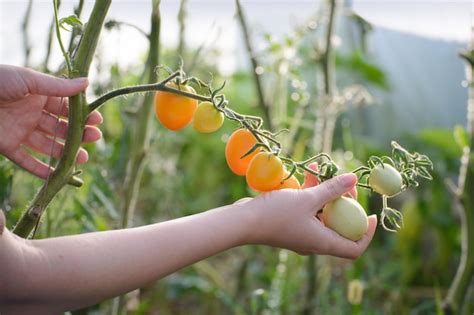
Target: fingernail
column 347, row 180
column 80, row 81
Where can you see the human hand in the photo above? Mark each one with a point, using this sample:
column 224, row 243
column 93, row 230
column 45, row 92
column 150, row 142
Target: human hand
column 30, row 105
column 287, row 219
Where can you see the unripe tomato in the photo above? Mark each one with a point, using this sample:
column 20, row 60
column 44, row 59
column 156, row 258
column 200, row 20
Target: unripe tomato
column 385, row 180
column 207, row 118
column 265, row 172
column 175, row 111
column 239, row 143
column 347, row 217
column 291, row 182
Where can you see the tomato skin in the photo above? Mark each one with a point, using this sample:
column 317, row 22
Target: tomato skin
column 292, row 182
column 265, row 172
column 239, row 143
column 175, row 111
column 347, row 217
column 385, row 180
column 207, row 118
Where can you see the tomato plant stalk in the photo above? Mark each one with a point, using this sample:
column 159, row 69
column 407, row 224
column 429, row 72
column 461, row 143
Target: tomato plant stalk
column 254, row 63
column 457, row 300
column 77, row 117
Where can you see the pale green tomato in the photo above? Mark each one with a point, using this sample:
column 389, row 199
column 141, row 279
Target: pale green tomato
column 347, row 217
column 385, row 180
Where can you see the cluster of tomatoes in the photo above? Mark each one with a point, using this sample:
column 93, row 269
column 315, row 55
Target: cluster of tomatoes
column 264, row 171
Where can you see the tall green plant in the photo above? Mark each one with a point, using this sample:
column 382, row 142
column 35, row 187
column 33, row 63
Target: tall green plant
column 458, row 300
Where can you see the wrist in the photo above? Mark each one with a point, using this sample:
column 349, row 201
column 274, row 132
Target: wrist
column 247, row 218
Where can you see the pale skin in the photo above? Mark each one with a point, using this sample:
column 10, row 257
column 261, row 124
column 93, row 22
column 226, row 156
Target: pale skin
column 64, row 273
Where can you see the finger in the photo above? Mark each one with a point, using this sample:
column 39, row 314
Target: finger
column 91, row 134
column 242, row 201
column 310, row 179
column 51, row 126
column 58, row 106
column 95, row 118
column 345, row 248
column 353, row 193
column 30, row 164
column 47, row 146
column 330, row 190
column 43, row 84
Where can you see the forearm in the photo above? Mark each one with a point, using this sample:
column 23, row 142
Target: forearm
column 81, row 270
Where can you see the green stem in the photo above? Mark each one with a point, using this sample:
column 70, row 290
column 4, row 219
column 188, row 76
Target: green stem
column 253, row 60
column 182, row 31
column 160, row 86
column 141, row 137
column 58, row 36
column 328, row 74
column 74, row 33
column 77, row 117
column 24, row 27
column 328, row 58
column 49, row 44
column 457, row 300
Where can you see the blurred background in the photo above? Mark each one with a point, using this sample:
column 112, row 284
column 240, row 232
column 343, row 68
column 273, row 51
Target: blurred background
column 345, row 77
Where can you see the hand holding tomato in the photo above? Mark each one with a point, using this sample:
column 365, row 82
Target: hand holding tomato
column 287, row 219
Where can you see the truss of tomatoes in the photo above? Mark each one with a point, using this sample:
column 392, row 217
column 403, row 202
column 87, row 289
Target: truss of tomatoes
column 264, row 171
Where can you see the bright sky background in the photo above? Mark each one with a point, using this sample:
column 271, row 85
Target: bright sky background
column 214, row 19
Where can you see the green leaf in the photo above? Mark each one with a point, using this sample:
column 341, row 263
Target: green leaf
column 423, row 172
column 72, row 20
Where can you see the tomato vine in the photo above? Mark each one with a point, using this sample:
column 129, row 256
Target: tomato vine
column 411, row 166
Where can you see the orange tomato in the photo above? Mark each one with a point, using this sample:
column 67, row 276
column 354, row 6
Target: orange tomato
column 265, row 172
column 291, row 182
column 175, row 111
column 239, row 143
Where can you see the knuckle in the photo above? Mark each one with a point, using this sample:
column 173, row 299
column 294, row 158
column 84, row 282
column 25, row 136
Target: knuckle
column 332, row 189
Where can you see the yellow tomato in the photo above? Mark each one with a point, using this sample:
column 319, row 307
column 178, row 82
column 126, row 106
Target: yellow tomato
column 207, row 118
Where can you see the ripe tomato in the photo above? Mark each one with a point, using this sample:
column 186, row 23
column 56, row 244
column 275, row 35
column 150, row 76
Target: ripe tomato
column 175, row 111
column 239, row 143
column 291, row 182
column 385, row 180
column 347, row 217
column 265, row 172
column 207, row 118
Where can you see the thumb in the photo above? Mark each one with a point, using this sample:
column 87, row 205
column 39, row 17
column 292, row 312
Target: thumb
column 43, row 84
column 331, row 189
